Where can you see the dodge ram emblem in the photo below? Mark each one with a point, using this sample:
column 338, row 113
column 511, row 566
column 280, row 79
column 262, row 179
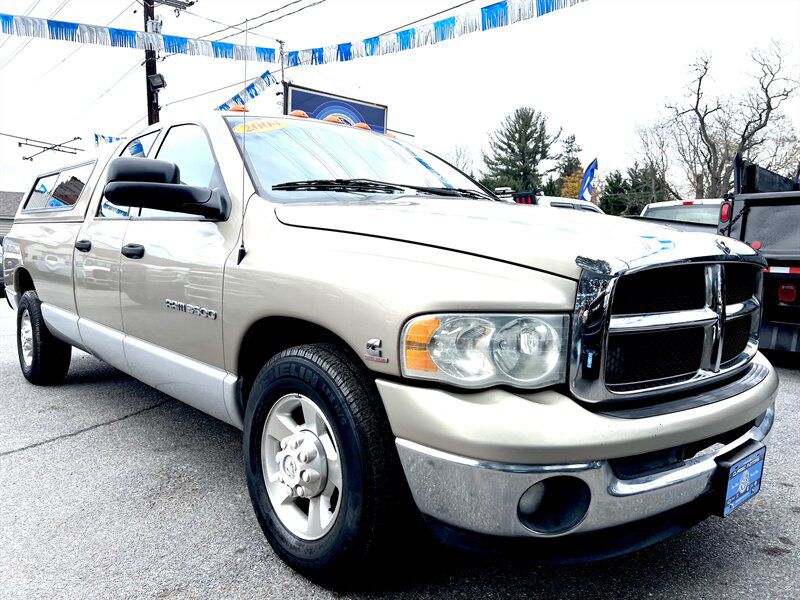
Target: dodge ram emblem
column 374, row 352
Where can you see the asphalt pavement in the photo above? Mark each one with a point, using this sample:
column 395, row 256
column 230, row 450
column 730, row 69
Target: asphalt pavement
column 111, row 489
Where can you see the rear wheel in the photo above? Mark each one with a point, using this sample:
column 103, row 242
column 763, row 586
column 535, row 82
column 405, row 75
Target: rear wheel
column 320, row 461
column 43, row 358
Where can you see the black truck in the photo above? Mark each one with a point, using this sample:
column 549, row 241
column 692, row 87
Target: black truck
column 764, row 211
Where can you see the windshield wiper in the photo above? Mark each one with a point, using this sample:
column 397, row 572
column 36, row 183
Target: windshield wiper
column 451, row 191
column 373, row 185
column 339, row 185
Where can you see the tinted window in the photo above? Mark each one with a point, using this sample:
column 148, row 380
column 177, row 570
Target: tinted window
column 561, row 205
column 42, row 192
column 187, row 146
column 60, row 190
column 138, row 148
column 703, row 214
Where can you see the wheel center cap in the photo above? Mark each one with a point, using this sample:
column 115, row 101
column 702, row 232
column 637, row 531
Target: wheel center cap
column 303, row 464
column 289, row 467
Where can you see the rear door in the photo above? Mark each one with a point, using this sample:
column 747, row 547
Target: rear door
column 46, row 229
column 97, row 268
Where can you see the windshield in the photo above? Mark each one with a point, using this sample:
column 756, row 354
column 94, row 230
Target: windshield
column 282, row 150
column 702, row 214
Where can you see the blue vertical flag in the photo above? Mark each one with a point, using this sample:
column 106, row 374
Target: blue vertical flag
column 587, row 185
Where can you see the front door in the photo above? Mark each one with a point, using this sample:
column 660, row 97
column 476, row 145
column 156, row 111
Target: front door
column 172, row 264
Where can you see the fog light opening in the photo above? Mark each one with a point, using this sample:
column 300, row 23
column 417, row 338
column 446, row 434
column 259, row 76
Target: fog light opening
column 554, row 505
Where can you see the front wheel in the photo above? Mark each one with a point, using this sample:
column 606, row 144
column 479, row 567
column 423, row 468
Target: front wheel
column 43, row 358
column 320, row 462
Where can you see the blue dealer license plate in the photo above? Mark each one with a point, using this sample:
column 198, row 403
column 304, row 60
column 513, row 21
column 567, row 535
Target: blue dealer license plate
column 744, row 480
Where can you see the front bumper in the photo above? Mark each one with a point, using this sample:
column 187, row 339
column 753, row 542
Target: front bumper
column 483, row 496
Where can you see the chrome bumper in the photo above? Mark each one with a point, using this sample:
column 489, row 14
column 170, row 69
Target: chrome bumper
column 483, row 496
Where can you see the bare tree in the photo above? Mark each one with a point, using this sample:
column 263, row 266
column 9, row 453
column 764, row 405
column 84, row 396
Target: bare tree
column 654, row 149
column 704, row 133
column 460, row 157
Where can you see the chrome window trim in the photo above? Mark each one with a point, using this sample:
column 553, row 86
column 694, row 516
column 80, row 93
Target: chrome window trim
column 592, row 323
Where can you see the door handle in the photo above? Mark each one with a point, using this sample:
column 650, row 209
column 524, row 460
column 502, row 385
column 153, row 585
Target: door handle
column 133, row 250
column 83, row 245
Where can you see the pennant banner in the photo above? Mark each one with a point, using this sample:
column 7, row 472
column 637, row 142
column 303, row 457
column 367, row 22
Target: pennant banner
column 251, row 91
column 498, row 14
column 106, row 139
column 129, row 38
column 494, row 15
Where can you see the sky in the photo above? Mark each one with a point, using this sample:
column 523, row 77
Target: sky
column 597, row 70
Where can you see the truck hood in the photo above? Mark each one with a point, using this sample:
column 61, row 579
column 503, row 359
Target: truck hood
column 546, row 239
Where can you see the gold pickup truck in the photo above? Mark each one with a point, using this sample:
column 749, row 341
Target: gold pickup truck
column 390, row 335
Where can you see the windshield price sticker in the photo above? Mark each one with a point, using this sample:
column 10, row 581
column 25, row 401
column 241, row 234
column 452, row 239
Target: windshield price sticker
column 260, row 125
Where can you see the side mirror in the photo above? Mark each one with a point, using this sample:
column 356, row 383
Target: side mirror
column 151, row 183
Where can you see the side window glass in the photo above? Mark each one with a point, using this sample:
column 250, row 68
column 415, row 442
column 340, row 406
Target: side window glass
column 42, row 192
column 187, row 146
column 61, row 190
column 107, row 209
column 139, row 148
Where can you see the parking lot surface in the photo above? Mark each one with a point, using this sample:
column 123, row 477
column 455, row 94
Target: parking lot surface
column 109, row 488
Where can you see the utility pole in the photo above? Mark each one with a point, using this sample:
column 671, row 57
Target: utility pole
column 150, row 64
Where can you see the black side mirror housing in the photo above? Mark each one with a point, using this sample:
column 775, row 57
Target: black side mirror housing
column 155, row 184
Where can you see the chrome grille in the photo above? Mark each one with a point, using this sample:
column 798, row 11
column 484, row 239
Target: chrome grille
column 663, row 328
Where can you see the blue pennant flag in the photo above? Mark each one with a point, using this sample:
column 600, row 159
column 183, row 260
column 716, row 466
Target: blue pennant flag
column 587, row 185
column 344, row 51
column 444, row 29
column 371, row 45
column 494, row 15
column 405, row 38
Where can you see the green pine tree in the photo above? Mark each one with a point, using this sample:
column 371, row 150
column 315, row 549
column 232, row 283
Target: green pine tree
column 569, row 162
column 551, row 187
column 516, row 150
column 629, row 194
column 614, row 198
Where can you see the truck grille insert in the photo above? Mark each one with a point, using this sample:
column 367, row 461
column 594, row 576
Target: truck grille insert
column 672, row 324
column 658, row 355
column 737, row 334
column 740, row 283
column 661, row 290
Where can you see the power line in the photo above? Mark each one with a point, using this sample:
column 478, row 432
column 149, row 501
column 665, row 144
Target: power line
column 25, row 45
column 269, row 12
column 188, row 12
column 425, row 18
column 96, row 100
column 301, row 63
column 302, row 8
column 82, row 46
column 33, row 5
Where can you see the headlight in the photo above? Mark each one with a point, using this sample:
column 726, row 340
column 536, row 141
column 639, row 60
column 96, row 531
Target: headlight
column 482, row 350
